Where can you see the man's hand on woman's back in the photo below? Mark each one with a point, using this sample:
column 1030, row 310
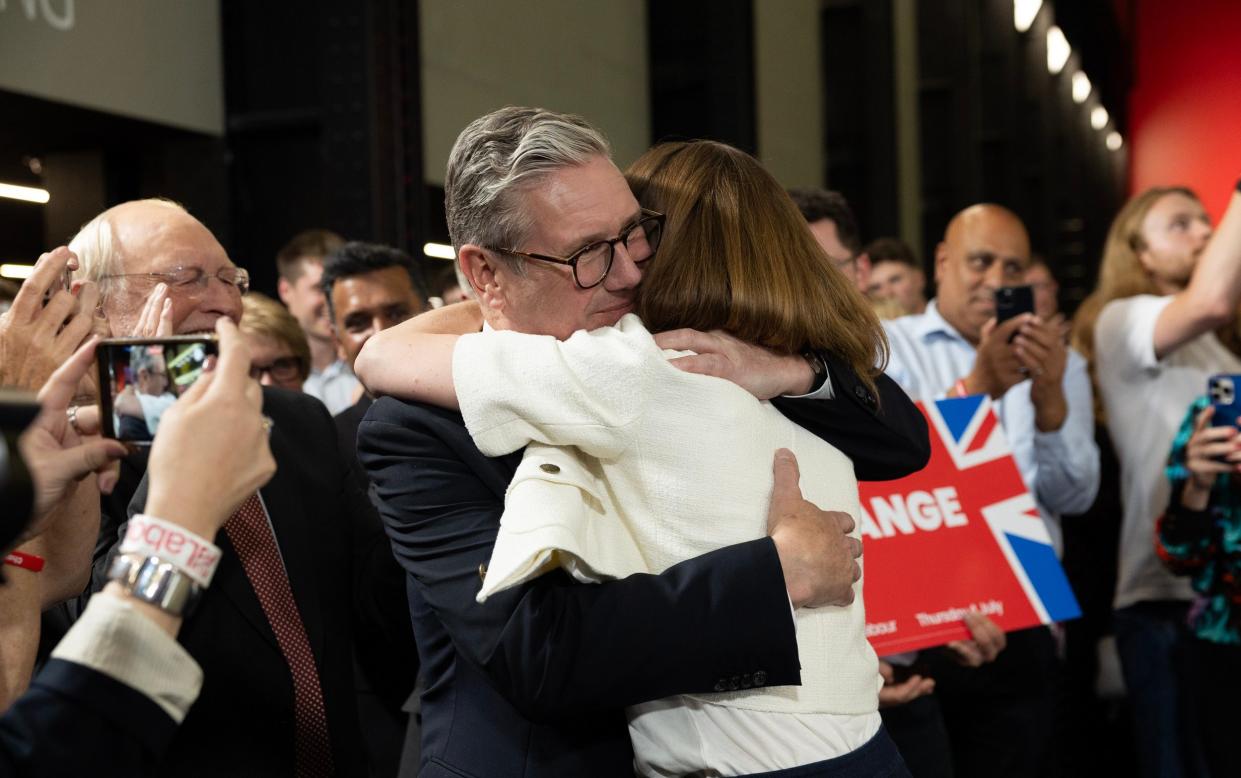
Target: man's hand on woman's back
column 817, row 555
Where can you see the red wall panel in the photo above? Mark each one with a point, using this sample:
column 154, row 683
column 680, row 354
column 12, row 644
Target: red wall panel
column 1185, row 107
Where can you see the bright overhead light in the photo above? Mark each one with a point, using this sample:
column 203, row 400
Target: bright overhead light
column 14, row 270
column 1025, row 12
column 1098, row 117
column 1114, row 141
column 1058, row 50
column 28, row 193
column 1081, row 87
column 439, row 251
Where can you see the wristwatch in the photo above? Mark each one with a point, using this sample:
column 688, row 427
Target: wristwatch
column 152, row 580
column 818, row 366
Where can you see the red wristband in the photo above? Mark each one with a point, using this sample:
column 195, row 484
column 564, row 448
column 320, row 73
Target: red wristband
column 23, row 560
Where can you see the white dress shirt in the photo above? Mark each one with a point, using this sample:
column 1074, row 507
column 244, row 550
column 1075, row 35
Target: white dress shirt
column 334, row 386
column 1060, row 468
column 112, row 638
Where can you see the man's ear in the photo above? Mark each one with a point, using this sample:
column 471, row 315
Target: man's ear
column 479, row 267
column 941, row 256
column 283, row 288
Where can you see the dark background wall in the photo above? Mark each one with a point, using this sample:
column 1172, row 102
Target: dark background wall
column 324, row 128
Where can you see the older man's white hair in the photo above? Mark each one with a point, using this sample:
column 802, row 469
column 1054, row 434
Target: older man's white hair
column 95, row 245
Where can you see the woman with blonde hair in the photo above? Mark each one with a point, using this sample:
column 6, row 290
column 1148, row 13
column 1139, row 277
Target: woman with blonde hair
column 279, row 351
column 626, row 450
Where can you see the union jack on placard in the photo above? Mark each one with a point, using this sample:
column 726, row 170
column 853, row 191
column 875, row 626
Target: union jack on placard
column 969, row 430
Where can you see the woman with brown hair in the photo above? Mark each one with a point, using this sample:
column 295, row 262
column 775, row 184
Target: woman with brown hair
column 625, row 452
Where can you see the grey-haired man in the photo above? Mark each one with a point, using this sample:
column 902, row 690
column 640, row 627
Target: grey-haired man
column 534, row 681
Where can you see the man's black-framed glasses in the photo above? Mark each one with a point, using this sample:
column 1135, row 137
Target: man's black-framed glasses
column 592, row 262
column 280, row 369
column 195, row 279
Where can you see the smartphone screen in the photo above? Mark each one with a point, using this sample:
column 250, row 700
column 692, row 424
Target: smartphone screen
column 1222, row 389
column 140, row 379
column 1013, row 301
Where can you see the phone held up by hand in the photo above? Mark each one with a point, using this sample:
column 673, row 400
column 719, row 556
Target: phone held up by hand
column 140, row 378
column 1222, row 390
column 1012, row 301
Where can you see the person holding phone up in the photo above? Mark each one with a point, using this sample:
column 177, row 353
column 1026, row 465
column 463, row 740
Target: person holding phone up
column 119, row 681
column 999, row 716
column 1199, row 536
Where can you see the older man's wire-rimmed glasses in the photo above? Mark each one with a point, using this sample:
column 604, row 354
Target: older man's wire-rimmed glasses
column 592, row 262
column 194, row 279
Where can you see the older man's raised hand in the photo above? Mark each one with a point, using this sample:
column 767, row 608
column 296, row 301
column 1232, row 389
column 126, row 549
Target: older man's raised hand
column 818, row 557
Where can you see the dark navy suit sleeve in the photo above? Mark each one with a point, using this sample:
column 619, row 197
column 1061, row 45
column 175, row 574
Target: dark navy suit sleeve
column 75, row 721
column 553, row 646
column 885, row 436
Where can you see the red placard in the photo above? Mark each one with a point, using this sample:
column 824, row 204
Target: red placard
column 961, row 534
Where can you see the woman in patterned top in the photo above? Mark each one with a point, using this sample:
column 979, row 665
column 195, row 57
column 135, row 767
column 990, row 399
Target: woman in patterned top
column 1200, row 536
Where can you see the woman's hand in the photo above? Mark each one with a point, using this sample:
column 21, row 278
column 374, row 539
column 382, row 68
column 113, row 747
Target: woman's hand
column 212, row 450
column 59, row 455
column 1209, row 452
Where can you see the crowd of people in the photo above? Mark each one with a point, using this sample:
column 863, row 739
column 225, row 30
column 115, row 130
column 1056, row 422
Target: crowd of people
column 584, row 503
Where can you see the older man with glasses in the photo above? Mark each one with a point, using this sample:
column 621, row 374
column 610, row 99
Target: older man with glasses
column 533, row 682
column 305, row 563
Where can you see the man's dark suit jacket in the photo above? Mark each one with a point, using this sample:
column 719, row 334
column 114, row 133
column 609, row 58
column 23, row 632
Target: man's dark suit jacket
column 343, row 577
column 76, row 721
column 533, row 682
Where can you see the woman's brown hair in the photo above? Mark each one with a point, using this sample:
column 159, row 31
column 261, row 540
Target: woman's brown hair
column 736, row 255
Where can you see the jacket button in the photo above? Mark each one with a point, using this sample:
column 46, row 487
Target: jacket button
column 734, row 683
column 746, row 681
column 720, row 685
column 760, row 678
column 482, row 572
column 550, row 468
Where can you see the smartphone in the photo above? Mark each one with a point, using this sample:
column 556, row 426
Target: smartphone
column 140, row 378
column 1222, row 389
column 1013, row 301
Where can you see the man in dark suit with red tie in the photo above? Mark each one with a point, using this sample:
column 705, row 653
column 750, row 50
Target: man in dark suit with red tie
column 305, row 561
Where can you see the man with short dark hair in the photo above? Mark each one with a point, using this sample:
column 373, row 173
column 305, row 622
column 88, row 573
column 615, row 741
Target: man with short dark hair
column 835, row 228
column 896, row 274
column 300, row 264
column 368, row 288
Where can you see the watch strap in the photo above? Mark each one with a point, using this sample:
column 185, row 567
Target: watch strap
column 157, row 582
column 818, row 366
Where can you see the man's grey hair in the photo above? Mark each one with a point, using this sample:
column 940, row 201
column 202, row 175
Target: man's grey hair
column 95, row 246
column 498, row 157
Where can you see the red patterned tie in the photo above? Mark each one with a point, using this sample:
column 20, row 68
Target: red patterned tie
column 251, row 534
